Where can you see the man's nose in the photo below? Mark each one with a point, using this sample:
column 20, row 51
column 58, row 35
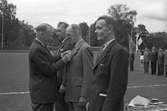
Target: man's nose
column 96, row 31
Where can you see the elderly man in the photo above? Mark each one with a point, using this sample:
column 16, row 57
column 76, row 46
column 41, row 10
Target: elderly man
column 43, row 68
column 78, row 71
column 110, row 70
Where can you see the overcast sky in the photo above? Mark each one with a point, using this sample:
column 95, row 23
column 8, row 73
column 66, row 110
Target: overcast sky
column 151, row 13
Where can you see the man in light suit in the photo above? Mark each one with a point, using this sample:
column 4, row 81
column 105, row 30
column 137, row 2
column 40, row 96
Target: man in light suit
column 110, row 70
column 43, row 68
column 78, row 72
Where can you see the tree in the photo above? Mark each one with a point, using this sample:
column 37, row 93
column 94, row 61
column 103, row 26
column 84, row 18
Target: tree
column 25, row 37
column 17, row 34
column 9, row 21
column 122, row 12
column 142, row 28
column 125, row 19
column 143, row 34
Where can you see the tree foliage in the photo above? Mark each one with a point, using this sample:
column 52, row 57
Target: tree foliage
column 158, row 39
column 125, row 19
column 122, row 12
column 16, row 33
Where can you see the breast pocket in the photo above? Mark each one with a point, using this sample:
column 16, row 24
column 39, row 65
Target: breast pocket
column 100, row 68
column 77, row 81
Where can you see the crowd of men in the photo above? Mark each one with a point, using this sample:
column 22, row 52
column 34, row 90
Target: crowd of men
column 68, row 79
column 157, row 59
column 154, row 61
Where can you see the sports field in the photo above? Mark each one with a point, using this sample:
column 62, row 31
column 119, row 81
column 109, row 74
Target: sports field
column 14, row 76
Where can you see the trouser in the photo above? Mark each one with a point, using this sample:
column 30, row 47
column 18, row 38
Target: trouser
column 97, row 104
column 131, row 65
column 153, row 67
column 61, row 105
column 166, row 70
column 146, row 67
column 73, row 106
column 42, row 107
column 160, row 69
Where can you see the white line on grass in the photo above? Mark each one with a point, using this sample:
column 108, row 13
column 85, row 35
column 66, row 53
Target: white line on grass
column 147, row 86
column 129, row 87
column 14, row 93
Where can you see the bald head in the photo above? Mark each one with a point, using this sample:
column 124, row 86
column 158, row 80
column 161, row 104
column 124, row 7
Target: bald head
column 44, row 32
column 74, row 32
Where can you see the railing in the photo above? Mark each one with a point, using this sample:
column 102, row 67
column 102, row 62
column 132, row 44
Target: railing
column 14, row 51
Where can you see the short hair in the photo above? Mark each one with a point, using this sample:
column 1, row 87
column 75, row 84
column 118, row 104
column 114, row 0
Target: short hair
column 65, row 25
column 109, row 21
column 43, row 27
column 76, row 29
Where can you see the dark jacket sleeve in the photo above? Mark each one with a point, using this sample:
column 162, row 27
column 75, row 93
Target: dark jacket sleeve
column 45, row 63
column 118, row 81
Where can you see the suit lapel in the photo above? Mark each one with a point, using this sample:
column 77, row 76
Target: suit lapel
column 42, row 45
column 76, row 49
column 104, row 53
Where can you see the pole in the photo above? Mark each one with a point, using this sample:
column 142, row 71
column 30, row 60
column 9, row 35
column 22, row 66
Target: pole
column 2, row 31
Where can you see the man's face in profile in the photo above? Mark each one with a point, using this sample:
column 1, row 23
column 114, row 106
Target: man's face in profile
column 61, row 32
column 71, row 34
column 102, row 31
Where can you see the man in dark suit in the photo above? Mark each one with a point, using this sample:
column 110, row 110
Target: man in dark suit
column 160, row 60
column 66, row 44
column 154, row 57
column 78, row 71
column 110, row 70
column 131, row 60
column 43, row 68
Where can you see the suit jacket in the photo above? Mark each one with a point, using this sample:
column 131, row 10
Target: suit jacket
column 154, row 56
column 165, row 58
column 110, row 78
column 78, row 73
column 43, row 68
column 161, row 58
column 66, row 45
column 131, row 57
column 146, row 56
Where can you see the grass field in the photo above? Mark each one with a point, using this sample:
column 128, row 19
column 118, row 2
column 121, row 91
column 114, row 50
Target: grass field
column 14, row 75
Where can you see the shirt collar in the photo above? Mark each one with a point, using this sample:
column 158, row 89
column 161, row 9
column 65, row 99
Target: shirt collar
column 40, row 42
column 77, row 44
column 66, row 38
column 107, row 43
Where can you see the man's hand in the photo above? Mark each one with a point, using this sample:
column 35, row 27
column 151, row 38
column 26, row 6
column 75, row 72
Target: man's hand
column 66, row 56
column 87, row 106
column 82, row 101
column 62, row 89
column 66, row 52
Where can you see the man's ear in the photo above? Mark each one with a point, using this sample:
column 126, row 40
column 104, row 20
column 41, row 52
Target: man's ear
column 110, row 27
column 40, row 33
